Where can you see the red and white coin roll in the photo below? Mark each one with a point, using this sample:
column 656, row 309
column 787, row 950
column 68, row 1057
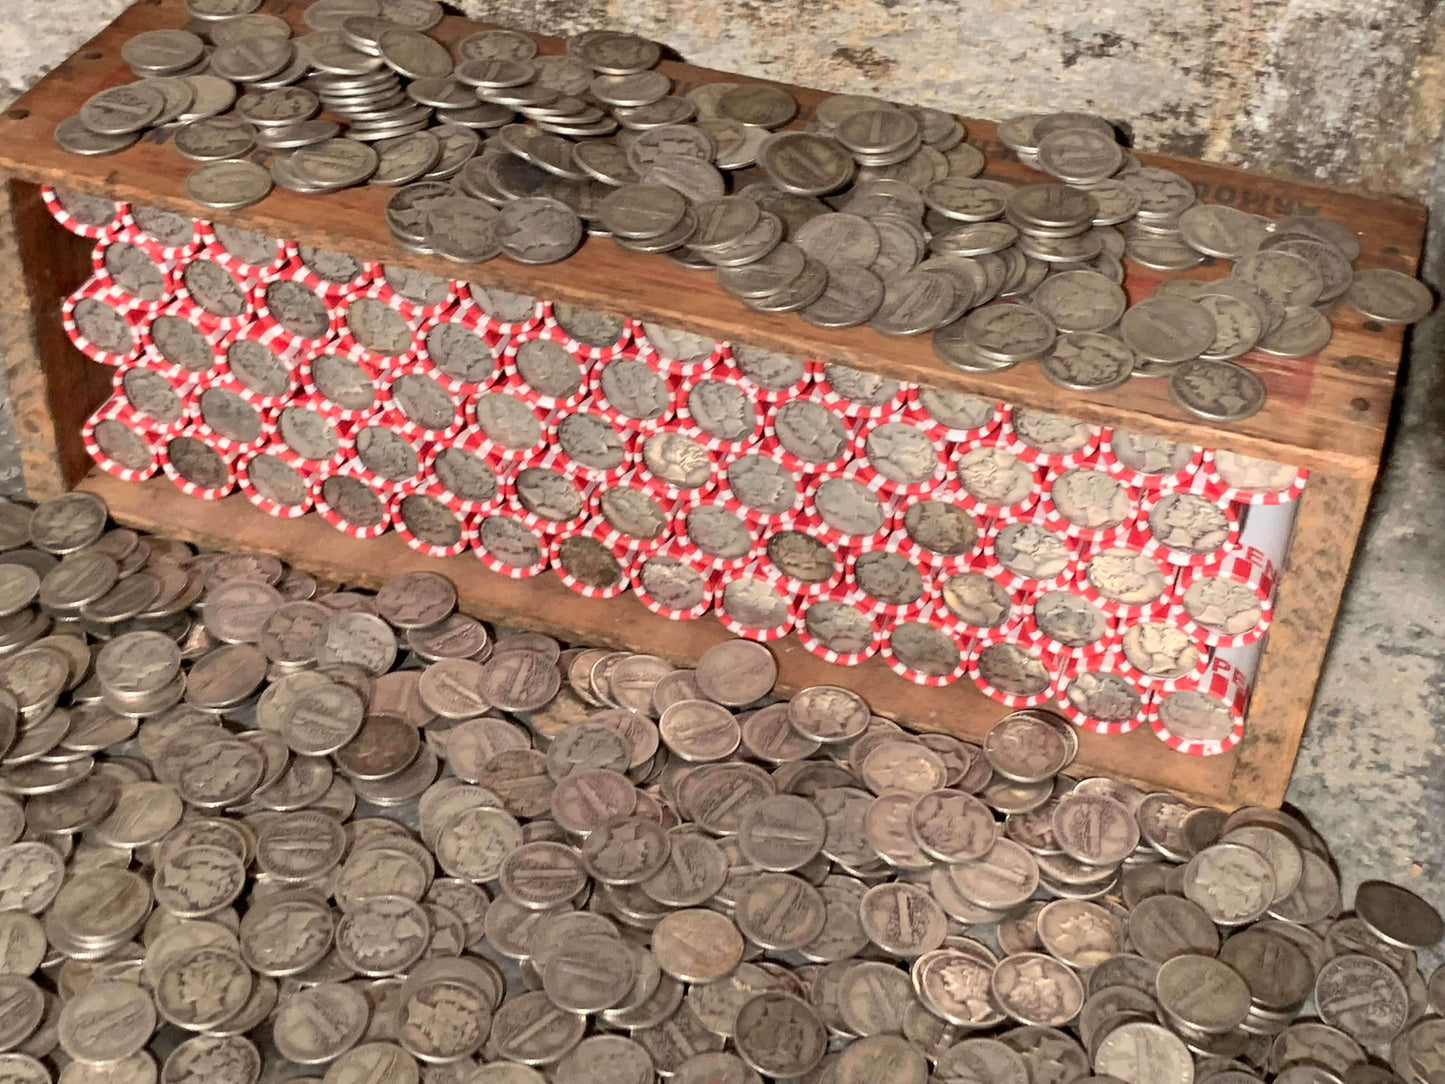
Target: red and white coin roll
column 591, row 448
column 570, row 323
column 676, row 465
column 134, row 276
column 1147, row 463
column 938, row 531
column 809, row 436
column 418, row 295
column 1069, row 625
column 632, row 394
column 993, row 481
column 197, row 468
column 1048, row 440
column 587, row 565
column 459, row 350
column 1095, row 696
column 292, row 313
column 162, row 404
column 1155, row 649
column 717, row 409
column 333, row 275
column 119, row 443
column 837, row 627
column 508, row 429
column 861, row 396
column 178, row 341
column 251, row 256
column 275, row 486
column 715, row 534
column 1228, row 604
column 383, row 455
column 679, row 353
column 552, row 501
column 754, row 604
column 502, row 313
column 1247, row 480
column 373, row 325
column 954, row 417
column 771, row 377
column 220, row 298
column 418, row 405
column 170, row 237
column 892, row 584
column 351, row 503
column 230, row 423
column 509, row 547
column 83, row 215
column 978, row 602
column 1014, row 672
column 541, row 365
column 429, row 525
column 926, row 648
column 1088, row 504
column 101, row 325
column 309, row 435
column 805, row 563
column 899, row 457
column 760, row 488
column 266, row 373
column 463, row 478
column 1127, row 577
column 1204, row 715
column 1193, row 526
column 846, row 512
column 1030, row 555
column 351, row 390
column 673, row 583
column 635, row 520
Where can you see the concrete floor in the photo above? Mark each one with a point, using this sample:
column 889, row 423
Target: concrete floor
column 1370, row 776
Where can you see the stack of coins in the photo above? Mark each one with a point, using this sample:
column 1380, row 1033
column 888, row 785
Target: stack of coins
column 951, row 535
column 258, row 826
column 874, row 213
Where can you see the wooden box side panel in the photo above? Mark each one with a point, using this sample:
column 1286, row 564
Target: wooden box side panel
column 53, row 386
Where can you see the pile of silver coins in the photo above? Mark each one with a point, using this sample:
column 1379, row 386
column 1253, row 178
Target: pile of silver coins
column 258, row 826
column 872, row 213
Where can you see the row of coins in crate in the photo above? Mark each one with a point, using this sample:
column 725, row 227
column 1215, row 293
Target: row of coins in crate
column 954, row 536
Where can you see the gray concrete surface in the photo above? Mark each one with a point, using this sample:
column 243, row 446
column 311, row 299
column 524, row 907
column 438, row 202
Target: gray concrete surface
column 1335, row 90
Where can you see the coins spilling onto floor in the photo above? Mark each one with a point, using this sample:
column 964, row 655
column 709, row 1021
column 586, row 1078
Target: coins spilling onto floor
column 254, row 822
column 872, row 213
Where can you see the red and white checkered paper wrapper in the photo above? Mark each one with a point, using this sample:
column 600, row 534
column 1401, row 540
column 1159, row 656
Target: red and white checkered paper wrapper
column 330, row 289
column 877, row 474
column 1009, row 626
column 114, row 411
column 882, row 608
column 1161, row 619
column 772, row 395
column 211, row 400
column 289, row 358
column 675, row 436
column 619, row 541
column 507, row 360
column 273, row 333
column 1104, row 645
column 1011, row 439
column 839, row 535
column 667, row 387
column 394, row 414
column 1100, row 535
column 595, row 475
column 739, row 627
column 505, row 454
column 1017, row 578
column 178, row 399
column 932, row 619
column 470, row 506
column 915, row 411
column 186, row 485
column 801, row 589
column 688, row 369
column 306, row 374
column 215, row 339
column 586, row 351
column 839, row 596
column 87, row 230
column 98, row 291
column 1101, row 663
column 1248, row 567
column 620, row 586
column 1241, row 495
column 375, row 525
column 1014, row 700
column 467, row 316
column 725, row 446
column 1221, row 682
column 183, row 294
column 476, row 296
column 985, row 505
column 347, row 343
column 161, row 249
column 541, row 523
column 497, row 564
column 414, row 453
column 930, row 559
column 283, row 252
column 1154, row 544
column 414, row 309
column 774, row 444
column 1135, row 548
column 764, row 520
column 341, row 430
column 269, row 504
column 688, row 540
column 401, row 502
column 1106, row 460
column 887, row 410
column 669, row 553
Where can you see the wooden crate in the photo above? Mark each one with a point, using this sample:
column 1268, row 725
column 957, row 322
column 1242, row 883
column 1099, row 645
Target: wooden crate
column 1328, row 413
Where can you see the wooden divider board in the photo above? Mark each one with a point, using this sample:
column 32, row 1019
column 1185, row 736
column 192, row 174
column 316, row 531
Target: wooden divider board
column 1328, row 413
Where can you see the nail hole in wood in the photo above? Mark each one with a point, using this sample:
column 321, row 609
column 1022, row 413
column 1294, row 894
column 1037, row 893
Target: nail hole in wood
column 18, row 114
column 90, row 54
column 1359, row 405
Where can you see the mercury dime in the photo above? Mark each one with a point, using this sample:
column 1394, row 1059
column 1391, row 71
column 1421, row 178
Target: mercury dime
column 1217, row 390
column 1391, row 297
